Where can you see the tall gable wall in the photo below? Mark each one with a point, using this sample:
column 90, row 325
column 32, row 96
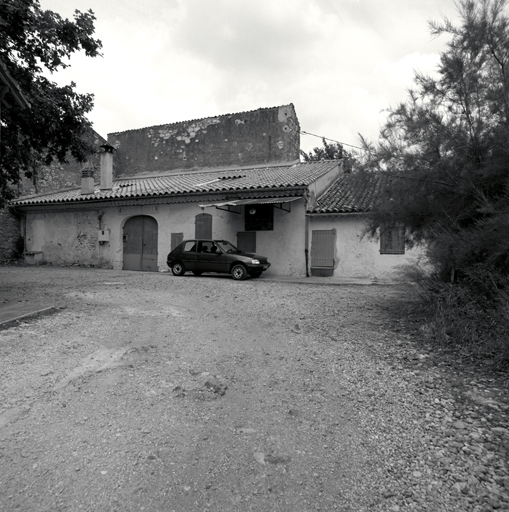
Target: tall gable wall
column 264, row 136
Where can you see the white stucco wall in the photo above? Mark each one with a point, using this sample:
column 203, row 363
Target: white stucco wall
column 72, row 237
column 357, row 256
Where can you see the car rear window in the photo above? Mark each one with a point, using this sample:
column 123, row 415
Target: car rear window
column 189, row 247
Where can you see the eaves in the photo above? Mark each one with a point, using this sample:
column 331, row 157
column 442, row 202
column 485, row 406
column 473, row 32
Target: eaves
column 192, row 197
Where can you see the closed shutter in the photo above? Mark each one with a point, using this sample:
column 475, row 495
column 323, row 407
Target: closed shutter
column 246, row 241
column 392, row 240
column 203, row 226
column 323, row 245
column 176, row 239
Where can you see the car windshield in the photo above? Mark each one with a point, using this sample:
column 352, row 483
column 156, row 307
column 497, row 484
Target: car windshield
column 227, row 246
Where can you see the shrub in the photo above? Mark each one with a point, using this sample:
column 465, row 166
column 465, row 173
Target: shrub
column 471, row 314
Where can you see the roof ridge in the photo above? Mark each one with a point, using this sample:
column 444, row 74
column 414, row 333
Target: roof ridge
column 206, row 170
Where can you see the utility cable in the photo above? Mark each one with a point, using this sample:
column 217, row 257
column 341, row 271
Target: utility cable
column 332, row 140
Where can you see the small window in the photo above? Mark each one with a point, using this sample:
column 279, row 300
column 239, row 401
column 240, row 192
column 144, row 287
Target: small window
column 189, row 246
column 259, row 217
column 392, row 240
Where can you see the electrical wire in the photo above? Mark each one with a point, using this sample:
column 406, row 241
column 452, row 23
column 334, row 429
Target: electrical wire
column 332, row 140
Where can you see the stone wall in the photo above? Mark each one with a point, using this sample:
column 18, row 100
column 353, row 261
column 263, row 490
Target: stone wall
column 264, row 136
column 9, row 234
column 50, row 178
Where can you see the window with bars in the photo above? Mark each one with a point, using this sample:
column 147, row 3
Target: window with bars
column 392, row 240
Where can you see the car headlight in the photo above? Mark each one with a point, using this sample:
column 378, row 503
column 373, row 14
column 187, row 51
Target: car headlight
column 255, row 262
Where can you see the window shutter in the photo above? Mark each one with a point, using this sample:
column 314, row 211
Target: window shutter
column 246, row 241
column 176, row 239
column 392, row 240
column 323, row 245
column 203, row 226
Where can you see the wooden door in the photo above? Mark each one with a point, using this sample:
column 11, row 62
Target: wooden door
column 140, row 244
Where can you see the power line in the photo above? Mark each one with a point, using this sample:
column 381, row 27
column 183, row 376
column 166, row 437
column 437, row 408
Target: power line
column 332, row 140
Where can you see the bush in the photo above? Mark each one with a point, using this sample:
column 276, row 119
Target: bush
column 471, row 314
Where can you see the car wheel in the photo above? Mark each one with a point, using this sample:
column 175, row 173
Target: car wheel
column 197, row 272
column 239, row 272
column 256, row 273
column 178, row 269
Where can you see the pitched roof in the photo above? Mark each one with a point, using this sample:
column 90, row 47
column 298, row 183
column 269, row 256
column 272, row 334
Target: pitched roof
column 239, row 180
column 350, row 193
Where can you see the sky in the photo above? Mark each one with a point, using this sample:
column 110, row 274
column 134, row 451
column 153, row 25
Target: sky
column 342, row 63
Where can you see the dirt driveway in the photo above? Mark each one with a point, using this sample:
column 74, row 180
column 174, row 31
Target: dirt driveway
column 156, row 393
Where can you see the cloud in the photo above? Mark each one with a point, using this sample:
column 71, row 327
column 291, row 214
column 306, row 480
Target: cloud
column 247, row 38
column 341, row 62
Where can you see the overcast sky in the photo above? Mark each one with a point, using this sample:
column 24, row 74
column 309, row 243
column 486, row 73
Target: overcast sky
column 340, row 62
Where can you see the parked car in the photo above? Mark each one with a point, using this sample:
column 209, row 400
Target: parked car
column 200, row 256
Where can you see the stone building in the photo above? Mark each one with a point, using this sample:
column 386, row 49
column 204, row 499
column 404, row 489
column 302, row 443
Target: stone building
column 236, row 177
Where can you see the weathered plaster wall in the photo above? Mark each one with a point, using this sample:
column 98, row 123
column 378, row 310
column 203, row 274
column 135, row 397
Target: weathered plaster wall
column 9, row 233
column 263, row 136
column 284, row 246
column 319, row 186
column 360, row 257
column 72, row 237
column 64, row 237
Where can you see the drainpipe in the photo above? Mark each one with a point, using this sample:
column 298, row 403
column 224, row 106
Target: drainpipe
column 306, row 237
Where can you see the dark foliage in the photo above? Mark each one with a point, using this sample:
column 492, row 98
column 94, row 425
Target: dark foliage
column 334, row 151
column 445, row 151
column 445, row 158
column 34, row 42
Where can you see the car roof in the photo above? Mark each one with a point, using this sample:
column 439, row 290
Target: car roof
column 205, row 240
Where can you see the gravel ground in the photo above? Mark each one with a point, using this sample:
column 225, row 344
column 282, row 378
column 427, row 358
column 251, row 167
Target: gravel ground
column 151, row 392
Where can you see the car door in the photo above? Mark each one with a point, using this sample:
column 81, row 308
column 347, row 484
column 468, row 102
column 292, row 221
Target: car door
column 189, row 254
column 209, row 257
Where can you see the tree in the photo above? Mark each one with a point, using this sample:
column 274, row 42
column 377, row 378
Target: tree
column 334, row 151
column 444, row 152
column 33, row 44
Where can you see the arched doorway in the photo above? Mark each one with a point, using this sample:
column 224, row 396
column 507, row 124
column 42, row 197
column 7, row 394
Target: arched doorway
column 140, row 244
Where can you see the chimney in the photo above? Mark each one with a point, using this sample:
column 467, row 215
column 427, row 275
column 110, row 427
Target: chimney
column 107, row 167
column 87, row 181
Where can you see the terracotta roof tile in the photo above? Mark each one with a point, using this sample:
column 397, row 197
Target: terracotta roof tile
column 277, row 178
column 350, row 193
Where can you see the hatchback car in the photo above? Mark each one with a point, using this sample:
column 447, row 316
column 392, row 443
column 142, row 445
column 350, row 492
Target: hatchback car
column 200, row 256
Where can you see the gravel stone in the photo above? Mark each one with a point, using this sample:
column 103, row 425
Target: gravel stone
column 164, row 393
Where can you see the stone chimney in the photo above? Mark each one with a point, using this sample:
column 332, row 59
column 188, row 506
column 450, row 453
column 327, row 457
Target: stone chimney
column 87, row 181
column 107, row 167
